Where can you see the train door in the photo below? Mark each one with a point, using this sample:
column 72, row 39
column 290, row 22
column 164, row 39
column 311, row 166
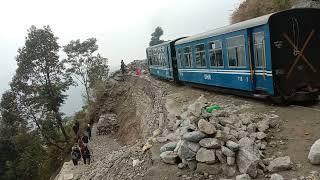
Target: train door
column 258, row 46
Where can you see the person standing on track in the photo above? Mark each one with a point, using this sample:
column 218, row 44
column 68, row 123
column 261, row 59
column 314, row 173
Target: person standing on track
column 123, row 68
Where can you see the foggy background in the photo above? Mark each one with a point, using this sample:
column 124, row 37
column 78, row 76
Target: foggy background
column 123, row 28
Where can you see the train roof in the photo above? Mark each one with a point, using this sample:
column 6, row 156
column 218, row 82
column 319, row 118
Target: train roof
column 161, row 44
column 228, row 29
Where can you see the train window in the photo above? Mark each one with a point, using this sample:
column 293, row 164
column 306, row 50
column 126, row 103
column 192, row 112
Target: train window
column 179, row 58
column 187, row 56
column 215, row 51
column 236, row 51
column 259, row 49
column 200, row 55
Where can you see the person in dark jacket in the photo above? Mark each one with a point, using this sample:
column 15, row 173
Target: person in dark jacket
column 76, row 128
column 85, row 152
column 85, row 139
column 88, row 129
column 123, row 67
column 75, row 154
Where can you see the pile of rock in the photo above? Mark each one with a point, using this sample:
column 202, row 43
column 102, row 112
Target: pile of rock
column 107, row 124
column 224, row 141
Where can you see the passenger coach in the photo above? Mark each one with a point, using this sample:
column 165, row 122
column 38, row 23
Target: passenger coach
column 276, row 55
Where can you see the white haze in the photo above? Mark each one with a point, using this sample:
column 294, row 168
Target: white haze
column 122, row 27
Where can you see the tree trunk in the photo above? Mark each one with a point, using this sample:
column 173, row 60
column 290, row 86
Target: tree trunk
column 59, row 121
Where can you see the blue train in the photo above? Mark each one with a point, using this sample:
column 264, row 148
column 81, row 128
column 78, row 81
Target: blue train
column 276, row 56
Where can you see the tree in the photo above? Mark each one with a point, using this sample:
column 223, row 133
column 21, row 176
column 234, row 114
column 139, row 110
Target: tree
column 155, row 36
column 248, row 8
column 85, row 65
column 40, row 82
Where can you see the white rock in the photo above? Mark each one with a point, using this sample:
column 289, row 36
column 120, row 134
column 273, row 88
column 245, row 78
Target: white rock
column 263, row 125
column 206, row 156
column 211, row 143
column 195, row 108
column 280, row 164
column 232, row 145
column 276, row 177
column 206, row 127
column 243, row 177
column 261, row 135
column 314, row 153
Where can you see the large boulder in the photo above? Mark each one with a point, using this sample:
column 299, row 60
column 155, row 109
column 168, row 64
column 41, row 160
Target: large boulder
column 169, row 157
column 194, row 109
column 212, row 169
column 280, row 164
column 194, row 136
column 206, row 127
column 211, row 143
column 247, row 162
column 248, row 157
column 314, row 154
column 206, row 156
column 168, row 147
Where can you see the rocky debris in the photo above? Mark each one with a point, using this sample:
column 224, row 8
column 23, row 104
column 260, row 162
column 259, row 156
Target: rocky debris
column 206, row 156
column 276, row 177
column 224, row 140
column 232, row 145
column 227, row 152
column 206, row 127
column 280, row 164
column 188, row 150
column 169, row 157
column 211, row 143
column 229, row 171
column 194, row 136
column 107, row 124
column 243, row 177
column 247, row 162
column 306, row 4
column 314, row 153
column 168, row 147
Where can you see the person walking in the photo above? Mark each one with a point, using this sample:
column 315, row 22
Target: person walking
column 86, row 153
column 76, row 128
column 123, row 67
column 88, row 130
column 75, row 154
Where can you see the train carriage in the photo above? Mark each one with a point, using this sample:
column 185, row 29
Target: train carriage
column 265, row 56
column 276, row 55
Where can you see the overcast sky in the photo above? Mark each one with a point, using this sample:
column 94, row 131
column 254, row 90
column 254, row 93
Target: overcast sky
column 122, row 27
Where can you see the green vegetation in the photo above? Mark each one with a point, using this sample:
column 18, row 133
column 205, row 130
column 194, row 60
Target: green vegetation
column 254, row 8
column 87, row 68
column 34, row 135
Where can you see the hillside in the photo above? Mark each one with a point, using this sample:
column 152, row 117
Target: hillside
column 150, row 113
